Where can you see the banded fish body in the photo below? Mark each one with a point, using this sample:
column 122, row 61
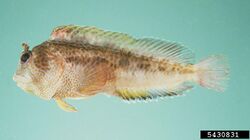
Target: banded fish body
column 78, row 62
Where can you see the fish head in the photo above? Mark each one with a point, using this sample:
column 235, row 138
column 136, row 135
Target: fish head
column 24, row 77
column 39, row 71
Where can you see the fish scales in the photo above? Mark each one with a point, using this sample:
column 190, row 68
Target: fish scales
column 78, row 62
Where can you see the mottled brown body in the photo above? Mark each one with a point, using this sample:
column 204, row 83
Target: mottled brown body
column 104, row 62
column 81, row 61
column 83, row 54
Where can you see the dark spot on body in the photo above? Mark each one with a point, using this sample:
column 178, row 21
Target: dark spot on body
column 123, row 62
column 99, row 60
column 161, row 68
column 139, row 65
column 69, row 59
column 113, row 65
column 147, row 66
column 144, row 66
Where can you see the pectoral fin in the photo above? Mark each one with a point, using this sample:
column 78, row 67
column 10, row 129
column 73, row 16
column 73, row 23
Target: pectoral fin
column 64, row 105
column 95, row 78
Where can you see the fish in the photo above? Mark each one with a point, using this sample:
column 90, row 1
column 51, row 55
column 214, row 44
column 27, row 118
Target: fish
column 77, row 62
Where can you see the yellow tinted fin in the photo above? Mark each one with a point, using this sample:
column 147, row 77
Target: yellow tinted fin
column 172, row 51
column 148, row 94
column 90, row 35
column 65, row 106
column 143, row 95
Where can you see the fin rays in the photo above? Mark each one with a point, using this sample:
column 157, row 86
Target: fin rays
column 152, row 94
column 172, row 51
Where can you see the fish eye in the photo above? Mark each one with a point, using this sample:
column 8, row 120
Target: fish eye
column 25, row 57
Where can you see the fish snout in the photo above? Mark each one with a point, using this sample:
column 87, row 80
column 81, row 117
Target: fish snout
column 18, row 78
column 14, row 77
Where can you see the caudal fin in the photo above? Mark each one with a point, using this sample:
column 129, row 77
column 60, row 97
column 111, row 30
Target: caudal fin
column 213, row 73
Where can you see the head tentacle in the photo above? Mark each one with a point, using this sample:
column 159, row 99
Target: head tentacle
column 25, row 47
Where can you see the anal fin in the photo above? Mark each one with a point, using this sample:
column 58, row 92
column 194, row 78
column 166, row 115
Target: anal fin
column 149, row 94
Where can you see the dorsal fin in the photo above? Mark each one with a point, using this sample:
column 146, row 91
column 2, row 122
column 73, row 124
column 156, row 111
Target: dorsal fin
column 90, row 35
column 172, row 51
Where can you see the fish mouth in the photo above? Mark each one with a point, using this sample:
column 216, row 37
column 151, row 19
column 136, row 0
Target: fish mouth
column 14, row 77
column 23, row 83
column 20, row 80
column 17, row 78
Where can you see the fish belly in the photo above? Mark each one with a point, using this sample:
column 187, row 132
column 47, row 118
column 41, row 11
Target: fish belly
column 150, row 80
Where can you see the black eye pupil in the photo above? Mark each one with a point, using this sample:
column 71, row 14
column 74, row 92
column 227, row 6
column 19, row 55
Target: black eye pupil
column 25, row 57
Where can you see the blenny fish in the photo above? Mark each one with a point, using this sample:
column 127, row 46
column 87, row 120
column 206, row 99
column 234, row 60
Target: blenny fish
column 77, row 62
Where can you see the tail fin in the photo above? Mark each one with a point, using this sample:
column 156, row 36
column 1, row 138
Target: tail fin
column 213, row 73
